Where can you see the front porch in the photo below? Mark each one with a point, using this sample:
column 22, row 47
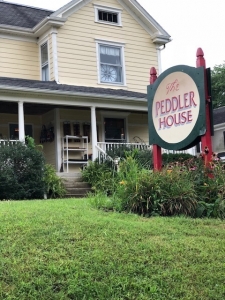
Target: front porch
column 73, row 132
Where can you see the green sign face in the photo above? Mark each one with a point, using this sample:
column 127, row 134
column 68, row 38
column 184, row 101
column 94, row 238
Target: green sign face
column 176, row 108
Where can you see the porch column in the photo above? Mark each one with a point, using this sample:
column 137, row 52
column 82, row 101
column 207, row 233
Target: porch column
column 21, row 122
column 93, row 133
column 58, row 151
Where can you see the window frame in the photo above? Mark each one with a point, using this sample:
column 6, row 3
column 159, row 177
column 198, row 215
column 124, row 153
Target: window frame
column 108, row 10
column 46, row 64
column 17, row 125
column 121, row 46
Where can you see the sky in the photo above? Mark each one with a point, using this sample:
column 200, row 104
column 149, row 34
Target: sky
column 191, row 24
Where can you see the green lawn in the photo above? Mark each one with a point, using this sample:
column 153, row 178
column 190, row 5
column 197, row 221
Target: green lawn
column 64, row 249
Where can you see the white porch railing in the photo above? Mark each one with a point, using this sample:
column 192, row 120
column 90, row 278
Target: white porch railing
column 103, row 148
column 112, row 146
column 8, row 142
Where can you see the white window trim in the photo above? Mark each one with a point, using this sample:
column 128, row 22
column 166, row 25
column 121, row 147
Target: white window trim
column 110, row 10
column 115, row 44
column 42, row 42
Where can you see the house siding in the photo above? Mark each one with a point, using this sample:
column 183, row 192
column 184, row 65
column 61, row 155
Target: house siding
column 19, row 59
column 77, row 56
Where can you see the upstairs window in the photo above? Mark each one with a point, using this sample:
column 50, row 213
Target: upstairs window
column 108, row 15
column 111, row 64
column 44, row 62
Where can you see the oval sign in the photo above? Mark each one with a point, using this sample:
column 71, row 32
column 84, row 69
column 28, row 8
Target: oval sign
column 176, row 107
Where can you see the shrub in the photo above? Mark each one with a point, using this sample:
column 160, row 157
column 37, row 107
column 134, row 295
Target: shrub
column 21, row 172
column 168, row 158
column 102, row 177
column 53, row 184
column 160, row 193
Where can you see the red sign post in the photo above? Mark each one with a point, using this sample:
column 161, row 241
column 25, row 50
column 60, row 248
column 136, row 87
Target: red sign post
column 157, row 150
column 206, row 139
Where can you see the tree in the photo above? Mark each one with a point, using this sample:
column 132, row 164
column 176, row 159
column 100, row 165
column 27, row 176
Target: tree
column 218, row 85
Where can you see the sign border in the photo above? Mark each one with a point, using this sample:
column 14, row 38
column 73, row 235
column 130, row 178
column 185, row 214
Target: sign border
column 197, row 74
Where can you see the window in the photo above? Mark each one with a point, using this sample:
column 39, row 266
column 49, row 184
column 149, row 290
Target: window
column 108, row 15
column 114, row 130
column 111, row 64
column 14, row 131
column 44, row 62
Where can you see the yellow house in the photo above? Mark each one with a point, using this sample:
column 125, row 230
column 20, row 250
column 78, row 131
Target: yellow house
column 75, row 79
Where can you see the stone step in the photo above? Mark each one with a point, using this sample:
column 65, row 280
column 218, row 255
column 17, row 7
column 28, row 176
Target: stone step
column 75, row 184
column 71, row 180
column 69, row 175
column 78, row 191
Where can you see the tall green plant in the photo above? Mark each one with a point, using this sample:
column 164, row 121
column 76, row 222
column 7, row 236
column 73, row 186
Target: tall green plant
column 53, row 184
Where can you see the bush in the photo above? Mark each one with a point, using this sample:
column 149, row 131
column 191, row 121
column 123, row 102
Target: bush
column 102, row 177
column 21, row 172
column 159, row 193
column 53, row 184
column 168, row 158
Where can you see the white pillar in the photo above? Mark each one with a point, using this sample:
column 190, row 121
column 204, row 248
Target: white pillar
column 55, row 55
column 21, row 122
column 58, row 145
column 93, row 133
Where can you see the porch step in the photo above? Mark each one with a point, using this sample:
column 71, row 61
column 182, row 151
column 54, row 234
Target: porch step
column 74, row 185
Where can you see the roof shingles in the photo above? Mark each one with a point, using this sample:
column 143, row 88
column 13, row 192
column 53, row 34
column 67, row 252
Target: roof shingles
column 21, row 16
column 53, row 86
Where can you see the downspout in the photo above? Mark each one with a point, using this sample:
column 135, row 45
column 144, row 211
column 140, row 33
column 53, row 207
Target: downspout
column 159, row 49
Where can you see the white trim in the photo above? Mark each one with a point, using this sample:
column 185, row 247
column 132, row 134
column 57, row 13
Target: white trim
column 70, row 8
column 100, row 42
column 110, row 10
column 110, row 42
column 18, row 38
column 57, row 139
column 93, row 132
column 21, row 121
column 40, row 43
column 55, row 56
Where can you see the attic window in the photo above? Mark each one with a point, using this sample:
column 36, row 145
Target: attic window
column 107, row 15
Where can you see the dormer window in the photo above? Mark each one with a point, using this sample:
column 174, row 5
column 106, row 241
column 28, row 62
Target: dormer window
column 44, row 62
column 108, row 15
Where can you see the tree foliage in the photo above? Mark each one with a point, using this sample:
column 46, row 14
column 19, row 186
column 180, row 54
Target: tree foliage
column 218, row 85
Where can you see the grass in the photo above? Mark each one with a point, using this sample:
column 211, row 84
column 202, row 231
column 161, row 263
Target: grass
column 64, row 249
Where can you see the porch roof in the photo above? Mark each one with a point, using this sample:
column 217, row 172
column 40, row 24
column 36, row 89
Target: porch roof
column 25, row 84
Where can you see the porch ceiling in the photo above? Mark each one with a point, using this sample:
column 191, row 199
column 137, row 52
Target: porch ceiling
column 30, row 109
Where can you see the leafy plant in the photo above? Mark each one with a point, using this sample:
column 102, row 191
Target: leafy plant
column 21, row 172
column 53, row 184
column 102, row 177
